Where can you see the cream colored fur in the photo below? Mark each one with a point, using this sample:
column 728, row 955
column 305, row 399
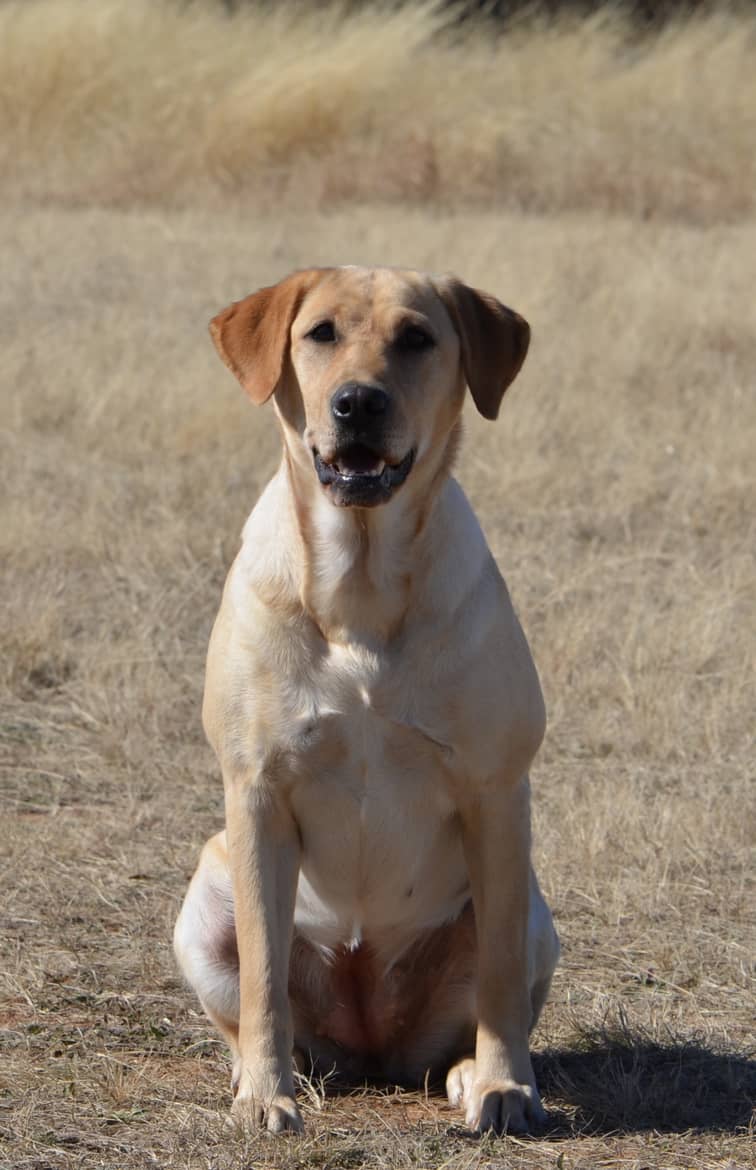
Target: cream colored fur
column 374, row 707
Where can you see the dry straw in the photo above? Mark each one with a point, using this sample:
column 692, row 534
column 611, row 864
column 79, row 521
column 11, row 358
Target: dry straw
column 156, row 101
column 604, row 186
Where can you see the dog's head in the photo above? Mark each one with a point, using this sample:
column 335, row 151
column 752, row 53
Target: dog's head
column 369, row 367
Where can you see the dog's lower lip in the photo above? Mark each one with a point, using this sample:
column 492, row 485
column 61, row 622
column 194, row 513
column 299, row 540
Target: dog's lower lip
column 361, row 473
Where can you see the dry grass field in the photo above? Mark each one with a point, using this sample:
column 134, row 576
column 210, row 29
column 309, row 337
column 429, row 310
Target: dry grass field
column 157, row 161
column 170, row 102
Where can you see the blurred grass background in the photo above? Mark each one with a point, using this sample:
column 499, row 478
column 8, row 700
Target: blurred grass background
column 594, row 167
column 169, row 103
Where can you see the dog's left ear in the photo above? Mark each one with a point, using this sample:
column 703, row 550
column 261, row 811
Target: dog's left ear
column 252, row 336
column 494, row 341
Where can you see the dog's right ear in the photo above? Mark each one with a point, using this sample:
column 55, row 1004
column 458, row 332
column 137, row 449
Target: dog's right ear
column 252, row 336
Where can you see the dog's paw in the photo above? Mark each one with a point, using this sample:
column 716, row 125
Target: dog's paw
column 276, row 1112
column 459, row 1083
column 498, row 1106
column 504, row 1107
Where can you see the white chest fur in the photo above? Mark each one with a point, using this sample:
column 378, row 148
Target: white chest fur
column 372, row 736
column 381, row 856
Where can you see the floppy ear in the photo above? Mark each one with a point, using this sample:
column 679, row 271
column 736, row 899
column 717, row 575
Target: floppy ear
column 252, row 336
column 494, row 341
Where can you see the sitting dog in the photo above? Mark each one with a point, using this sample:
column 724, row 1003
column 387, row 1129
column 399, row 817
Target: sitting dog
column 371, row 906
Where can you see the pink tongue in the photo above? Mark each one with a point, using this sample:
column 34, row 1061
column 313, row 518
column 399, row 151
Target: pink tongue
column 357, row 460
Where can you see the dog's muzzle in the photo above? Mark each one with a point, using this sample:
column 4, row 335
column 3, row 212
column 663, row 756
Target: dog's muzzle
column 359, row 477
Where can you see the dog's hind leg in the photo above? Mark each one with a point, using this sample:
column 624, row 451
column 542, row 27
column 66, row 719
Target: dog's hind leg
column 204, row 940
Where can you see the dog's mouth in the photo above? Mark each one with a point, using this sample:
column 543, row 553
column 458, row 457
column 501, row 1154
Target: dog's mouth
column 357, row 476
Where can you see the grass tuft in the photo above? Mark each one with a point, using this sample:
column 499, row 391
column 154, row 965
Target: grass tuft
column 156, row 102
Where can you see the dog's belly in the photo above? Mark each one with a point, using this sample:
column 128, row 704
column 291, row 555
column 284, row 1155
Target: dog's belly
column 358, row 1015
column 382, row 855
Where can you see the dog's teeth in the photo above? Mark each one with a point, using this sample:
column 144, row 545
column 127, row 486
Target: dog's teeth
column 373, row 473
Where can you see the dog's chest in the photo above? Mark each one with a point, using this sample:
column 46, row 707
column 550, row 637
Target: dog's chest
column 371, row 796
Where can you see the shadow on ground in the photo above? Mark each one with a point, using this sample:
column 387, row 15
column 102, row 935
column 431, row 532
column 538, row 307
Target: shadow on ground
column 615, row 1085
column 621, row 1082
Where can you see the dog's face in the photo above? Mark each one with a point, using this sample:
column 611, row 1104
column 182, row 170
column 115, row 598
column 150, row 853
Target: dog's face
column 376, row 359
column 369, row 368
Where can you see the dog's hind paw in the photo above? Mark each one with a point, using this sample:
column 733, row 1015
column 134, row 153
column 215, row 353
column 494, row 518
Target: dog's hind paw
column 459, row 1083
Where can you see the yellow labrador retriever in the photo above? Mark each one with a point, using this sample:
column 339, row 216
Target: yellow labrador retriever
column 371, row 906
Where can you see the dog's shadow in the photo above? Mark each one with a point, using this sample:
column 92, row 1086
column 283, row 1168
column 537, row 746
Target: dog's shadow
column 613, row 1084
column 618, row 1082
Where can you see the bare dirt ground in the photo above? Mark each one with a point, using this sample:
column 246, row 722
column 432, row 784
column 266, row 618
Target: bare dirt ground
column 617, row 491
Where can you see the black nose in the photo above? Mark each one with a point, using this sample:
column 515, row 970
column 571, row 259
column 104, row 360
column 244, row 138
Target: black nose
column 357, row 405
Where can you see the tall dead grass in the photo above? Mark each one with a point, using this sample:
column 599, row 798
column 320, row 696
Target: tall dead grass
column 587, row 179
column 617, row 493
column 158, row 101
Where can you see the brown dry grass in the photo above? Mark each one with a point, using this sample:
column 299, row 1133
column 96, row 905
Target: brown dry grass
column 152, row 100
column 617, row 491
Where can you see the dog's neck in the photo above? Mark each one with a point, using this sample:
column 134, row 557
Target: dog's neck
column 361, row 566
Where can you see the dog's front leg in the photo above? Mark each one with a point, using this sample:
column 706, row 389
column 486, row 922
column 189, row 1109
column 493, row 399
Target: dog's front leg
column 264, row 860
column 498, row 1089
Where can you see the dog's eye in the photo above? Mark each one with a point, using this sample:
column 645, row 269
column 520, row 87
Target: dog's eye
column 323, row 333
column 414, row 338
